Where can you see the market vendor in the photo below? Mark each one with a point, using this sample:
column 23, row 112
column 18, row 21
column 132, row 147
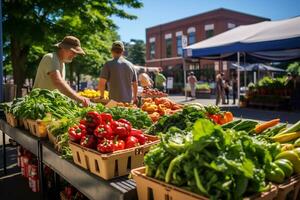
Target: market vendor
column 51, row 70
column 120, row 75
column 144, row 78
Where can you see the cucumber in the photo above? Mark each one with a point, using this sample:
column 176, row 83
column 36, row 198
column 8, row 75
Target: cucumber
column 274, row 130
column 293, row 128
column 231, row 124
column 246, row 125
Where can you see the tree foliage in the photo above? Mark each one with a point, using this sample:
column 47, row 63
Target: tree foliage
column 31, row 27
column 294, row 68
column 136, row 51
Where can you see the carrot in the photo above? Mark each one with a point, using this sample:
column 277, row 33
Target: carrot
column 261, row 127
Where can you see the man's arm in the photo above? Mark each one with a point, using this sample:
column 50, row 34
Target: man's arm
column 101, row 86
column 135, row 90
column 64, row 88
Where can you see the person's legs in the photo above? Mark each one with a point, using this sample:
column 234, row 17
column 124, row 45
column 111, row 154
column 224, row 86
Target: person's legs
column 227, row 97
column 223, row 96
column 234, row 97
column 217, row 97
column 193, row 91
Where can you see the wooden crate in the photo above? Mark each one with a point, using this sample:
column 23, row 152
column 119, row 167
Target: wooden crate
column 11, row 119
column 26, row 124
column 37, row 127
column 289, row 190
column 114, row 164
column 150, row 188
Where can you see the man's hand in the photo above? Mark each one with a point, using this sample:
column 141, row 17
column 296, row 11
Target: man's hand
column 135, row 100
column 85, row 101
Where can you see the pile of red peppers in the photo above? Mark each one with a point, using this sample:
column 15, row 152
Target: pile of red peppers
column 99, row 131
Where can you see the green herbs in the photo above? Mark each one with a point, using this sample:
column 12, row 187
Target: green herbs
column 138, row 118
column 42, row 101
column 210, row 161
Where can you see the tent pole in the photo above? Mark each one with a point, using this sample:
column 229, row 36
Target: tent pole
column 238, row 77
column 1, row 55
column 245, row 72
column 184, row 79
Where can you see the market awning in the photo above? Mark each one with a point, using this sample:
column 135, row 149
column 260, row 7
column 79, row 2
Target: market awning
column 256, row 67
column 273, row 40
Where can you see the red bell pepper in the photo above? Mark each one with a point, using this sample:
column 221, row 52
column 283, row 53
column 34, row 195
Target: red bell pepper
column 105, row 146
column 125, row 121
column 120, row 129
column 93, row 119
column 104, row 131
column 131, row 141
column 119, row 145
column 88, row 141
column 139, row 135
column 106, row 118
column 76, row 132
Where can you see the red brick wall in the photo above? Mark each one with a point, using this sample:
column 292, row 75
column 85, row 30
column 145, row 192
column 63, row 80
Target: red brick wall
column 220, row 18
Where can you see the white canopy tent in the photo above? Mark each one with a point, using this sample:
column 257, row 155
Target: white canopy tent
column 269, row 40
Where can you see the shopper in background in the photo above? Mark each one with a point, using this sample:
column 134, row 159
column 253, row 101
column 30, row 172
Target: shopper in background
column 160, row 81
column 226, row 90
column 192, row 80
column 120, row 75
column 144, row 79
column 219, row 88
column 51, row 70
column 234, row 89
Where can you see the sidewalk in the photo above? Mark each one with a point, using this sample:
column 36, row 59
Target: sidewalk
column 249, row 113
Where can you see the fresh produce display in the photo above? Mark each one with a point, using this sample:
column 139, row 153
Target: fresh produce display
column 188, row 115
column 159, row 107
column 90, row 93
column 210, row 161
column 128, row 105
column 138, row 118
column 99, row 131
column 42, row 101
column 150, row 92
column 219, row 117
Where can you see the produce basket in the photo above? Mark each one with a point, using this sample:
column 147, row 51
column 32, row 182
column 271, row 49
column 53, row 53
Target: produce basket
column 11, row 119
column 37, row 127
column 25, row 123
column 150, row 188
column 289, row 189
column 63, row 196
column 114, row 164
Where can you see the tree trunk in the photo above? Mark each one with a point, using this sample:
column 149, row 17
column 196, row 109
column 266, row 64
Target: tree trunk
column 19, row 55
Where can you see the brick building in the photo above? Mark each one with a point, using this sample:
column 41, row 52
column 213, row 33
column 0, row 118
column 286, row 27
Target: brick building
column 164, row 42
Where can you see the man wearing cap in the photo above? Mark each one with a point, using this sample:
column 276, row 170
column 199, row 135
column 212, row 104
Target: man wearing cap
column 120, row 75
column 51, row 70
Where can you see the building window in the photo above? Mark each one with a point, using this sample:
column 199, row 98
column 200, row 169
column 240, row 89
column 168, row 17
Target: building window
column 169, row 47
column 152, row 47
column 191, row 35
column 152, row 50
column 192, row 38
column 179, row 45
column 231, row 25
column 209, row 30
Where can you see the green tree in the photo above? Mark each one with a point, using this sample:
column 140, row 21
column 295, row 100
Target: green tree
column 136, row 51
column 32, row 24
column 294, row 68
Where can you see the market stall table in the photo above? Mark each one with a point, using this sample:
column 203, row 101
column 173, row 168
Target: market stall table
column 28, row 141
column 90, row 185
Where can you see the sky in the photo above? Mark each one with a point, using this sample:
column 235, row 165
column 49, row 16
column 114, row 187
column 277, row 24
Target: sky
column 155, row 12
